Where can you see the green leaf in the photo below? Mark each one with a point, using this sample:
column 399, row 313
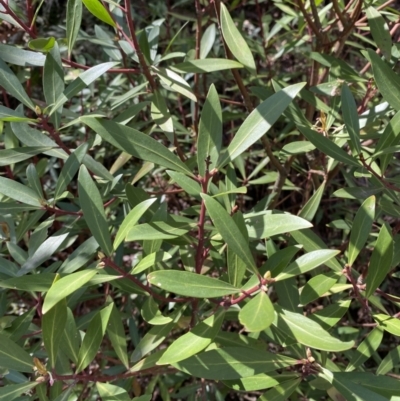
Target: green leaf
column 259, row 382
column 99, row 11
column 266, row 224
column 194, row 341
column 189, row 185
column 388, row 139
column 70, row 168
column 210, row 131
column 207, row 40
column 259, row 122
column 16, row 155
column 136, row 143
column 282, row 391
column 234, row 40
column 93, row 337
column 93, row 210
column 391, row 360
column 42, row 44
column 317, row 286
column 390, row 324
column 229, row 231
column 53, row 80
column 110, row 392
column 311, row 207
column 79, row 83
column 308, row 332
column 258, row 314
column 73, row 23
column 155, row 231
column 7, row 114
column 361, row 229
column 356, row 192
column 12, row 356
column 11, row 84
column 232, row 363
column 32, row 137
column 24, row 58
column 331, row 314
column 354, row 392
column 131, row 219
column 19, row 192
column 297, row 147
column 152, row 339
column 328, row 147
column 66, row 286
column 386, row 79
column 385, row 386
column 12, row 391
column 149, row 261
column 36, row 282
column 307, row 262
column 43, row 253
column 190, row 284
column 116, row 333
column 380, row 32
column 381, row 260
column 365, row 350
column 207, row 65
column 151, row 313
column 71, row 339
column 175, row 83
column 53, row 324
column 350, row 117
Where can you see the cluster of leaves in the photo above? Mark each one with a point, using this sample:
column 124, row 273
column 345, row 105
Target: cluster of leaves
column 163, row 237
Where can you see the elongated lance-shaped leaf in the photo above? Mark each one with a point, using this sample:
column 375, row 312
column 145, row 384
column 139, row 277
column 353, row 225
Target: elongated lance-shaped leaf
column 11, row 84
column 391, row 360
column 66, row 286
column 258, row 314
column 19, row 192
column 310, row 208
column 93, row 210
column 74, row 18
column 232, row 363
column 350, row 117
column 136, row 143
column 53, row 80
column 116, row 333
column 308, row 332
column 53, row 324
column 364, row 351
column 210, row 132
column 99, row 11
column 16, row 155
column 7, row 114
column 110, row 392
column 207, row 65
column 317, row 286
column 328, row 147
column 70, row 168
column 13, row 391
column 387, row 80
column 380, row 32
column 282, row 391
column 307, row 262
column 259, row 122
column 361, row 228
column 381, row 260
column 14, row 357
column 71, row 339
column 388, row 323
column 131, row 219
column 191, row 284
column 84, row 79
column 194, row 341
column 93, row 337
column 229, row 231
column 237, row 45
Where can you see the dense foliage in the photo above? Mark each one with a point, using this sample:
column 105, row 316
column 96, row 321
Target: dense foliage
column 199, row 200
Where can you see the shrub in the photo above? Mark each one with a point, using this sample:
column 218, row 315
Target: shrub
column 199, row 200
